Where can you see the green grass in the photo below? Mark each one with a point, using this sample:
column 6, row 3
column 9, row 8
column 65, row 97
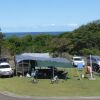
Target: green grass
column 70, row 87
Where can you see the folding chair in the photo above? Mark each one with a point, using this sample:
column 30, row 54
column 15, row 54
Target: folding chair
column 54, row 80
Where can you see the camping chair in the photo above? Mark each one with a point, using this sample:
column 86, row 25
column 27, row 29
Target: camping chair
column 54, row 80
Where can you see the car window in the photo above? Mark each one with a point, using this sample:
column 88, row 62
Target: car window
column 77, row 59
column 4, row 66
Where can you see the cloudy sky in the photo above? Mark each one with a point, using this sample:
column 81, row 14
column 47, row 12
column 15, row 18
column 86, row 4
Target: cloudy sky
column 46, row 15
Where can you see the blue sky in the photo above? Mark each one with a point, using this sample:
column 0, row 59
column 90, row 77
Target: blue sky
column 47, row 15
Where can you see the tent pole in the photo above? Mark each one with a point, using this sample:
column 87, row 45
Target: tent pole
column 91, row 67
column 53, row 72
column 23, row 68
column 17, row 65
column 29, row 66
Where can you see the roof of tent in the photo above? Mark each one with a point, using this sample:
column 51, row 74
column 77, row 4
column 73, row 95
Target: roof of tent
column 44, row 61
column 46, row 55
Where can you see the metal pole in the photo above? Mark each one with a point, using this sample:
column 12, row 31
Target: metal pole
column 91, row 67
column 17, row 65
column 29, row 67
column 53, row 72
column 22, row 68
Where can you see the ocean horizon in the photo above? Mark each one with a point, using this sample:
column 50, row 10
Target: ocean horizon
column 21, row 34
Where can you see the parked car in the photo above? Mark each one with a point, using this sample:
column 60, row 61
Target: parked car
column 95, row 61
column 78, row 60
column 5, row 69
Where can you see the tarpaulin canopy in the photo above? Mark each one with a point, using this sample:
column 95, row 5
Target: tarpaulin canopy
column 44, row 61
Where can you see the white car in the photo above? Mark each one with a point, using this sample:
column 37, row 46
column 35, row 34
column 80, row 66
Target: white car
column 5, row 69
column 78, row 60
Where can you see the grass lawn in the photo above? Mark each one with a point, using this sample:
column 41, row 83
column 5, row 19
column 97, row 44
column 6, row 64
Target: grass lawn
column 70, row 87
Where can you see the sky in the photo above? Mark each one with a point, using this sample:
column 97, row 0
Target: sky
column 47, row 15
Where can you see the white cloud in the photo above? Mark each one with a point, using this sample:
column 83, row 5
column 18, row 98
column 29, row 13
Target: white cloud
column 72, row 25
column 46, row 25
column 53, row 24
column 42, row 27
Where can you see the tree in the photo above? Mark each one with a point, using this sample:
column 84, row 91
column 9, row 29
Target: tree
column 41, row 42
column 86, row 37
column 60, row 45
column 1, row 41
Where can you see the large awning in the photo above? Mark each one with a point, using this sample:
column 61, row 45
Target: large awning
column 44, row 61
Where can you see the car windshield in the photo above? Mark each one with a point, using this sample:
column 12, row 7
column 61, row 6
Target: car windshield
column 4, row 66
column 77, row 59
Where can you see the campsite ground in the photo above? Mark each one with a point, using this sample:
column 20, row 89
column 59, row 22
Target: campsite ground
column 70, row 87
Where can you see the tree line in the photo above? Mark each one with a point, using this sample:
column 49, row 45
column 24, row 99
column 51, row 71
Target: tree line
column 84, row 40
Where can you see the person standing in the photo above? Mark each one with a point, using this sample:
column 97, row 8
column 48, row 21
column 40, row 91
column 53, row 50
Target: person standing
column 34, row 76
column 89, row 69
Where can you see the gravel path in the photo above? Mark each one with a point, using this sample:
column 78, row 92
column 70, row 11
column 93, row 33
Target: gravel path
column 10, row 96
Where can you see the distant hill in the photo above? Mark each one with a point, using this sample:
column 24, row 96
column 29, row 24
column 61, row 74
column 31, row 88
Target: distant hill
column 90, row 27
column 20, row 34
column 84, row 40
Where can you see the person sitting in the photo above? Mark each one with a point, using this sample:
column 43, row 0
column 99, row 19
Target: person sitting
column 89, row 70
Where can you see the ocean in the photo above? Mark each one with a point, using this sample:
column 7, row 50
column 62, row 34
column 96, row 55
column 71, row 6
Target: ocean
column 21, row 34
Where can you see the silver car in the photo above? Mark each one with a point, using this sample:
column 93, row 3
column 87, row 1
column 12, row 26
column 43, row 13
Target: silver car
column 5, row 69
